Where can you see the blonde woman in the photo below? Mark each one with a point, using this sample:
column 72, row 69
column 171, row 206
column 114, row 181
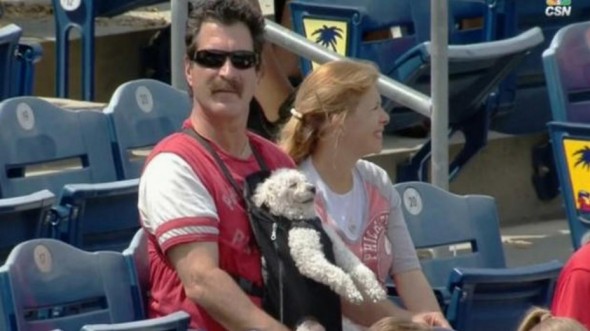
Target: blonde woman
column 337, row 119
column 539, row 319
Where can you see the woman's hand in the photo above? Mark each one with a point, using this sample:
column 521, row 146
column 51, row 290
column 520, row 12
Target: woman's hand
column 434, row 318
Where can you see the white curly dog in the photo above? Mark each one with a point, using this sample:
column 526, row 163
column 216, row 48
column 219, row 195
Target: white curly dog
column 288, row 193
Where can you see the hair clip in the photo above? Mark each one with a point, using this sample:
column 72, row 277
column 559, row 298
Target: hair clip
column 296, row 114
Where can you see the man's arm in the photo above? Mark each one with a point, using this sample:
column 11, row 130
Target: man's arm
column 571, row 297
column 214, row 290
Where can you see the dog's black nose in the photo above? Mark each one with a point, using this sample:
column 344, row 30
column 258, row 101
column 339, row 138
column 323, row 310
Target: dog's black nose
column 312, row 189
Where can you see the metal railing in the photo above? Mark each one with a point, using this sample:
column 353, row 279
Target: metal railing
column 299, row 45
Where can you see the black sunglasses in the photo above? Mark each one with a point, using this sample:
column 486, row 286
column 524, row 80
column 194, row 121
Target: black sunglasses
column 215, row 59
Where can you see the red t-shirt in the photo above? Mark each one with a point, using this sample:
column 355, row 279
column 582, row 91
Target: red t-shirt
column 572, row 291
column 188, row 199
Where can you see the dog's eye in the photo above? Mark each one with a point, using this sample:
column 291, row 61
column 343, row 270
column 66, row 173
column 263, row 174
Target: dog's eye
column 293, row 185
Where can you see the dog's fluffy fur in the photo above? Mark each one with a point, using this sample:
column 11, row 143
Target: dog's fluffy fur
column 287, row 193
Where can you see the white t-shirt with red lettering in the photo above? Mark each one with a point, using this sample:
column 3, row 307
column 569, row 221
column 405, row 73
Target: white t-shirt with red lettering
column 368, row 218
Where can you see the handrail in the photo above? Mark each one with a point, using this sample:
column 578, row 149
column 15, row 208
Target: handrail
column 388, row 87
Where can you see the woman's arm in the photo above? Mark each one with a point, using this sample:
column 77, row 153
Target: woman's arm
column 415, row 291
column 368, row 312
column 417, row 295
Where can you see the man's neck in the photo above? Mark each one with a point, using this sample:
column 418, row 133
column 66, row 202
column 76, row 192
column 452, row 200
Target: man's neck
column 228, row 135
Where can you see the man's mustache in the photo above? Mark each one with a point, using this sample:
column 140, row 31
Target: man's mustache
column 226, row 85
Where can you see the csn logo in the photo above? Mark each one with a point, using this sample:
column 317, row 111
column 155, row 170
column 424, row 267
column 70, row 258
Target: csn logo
column 558, row 8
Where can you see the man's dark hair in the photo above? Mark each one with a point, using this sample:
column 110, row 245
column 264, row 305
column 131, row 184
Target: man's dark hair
column 227, row 12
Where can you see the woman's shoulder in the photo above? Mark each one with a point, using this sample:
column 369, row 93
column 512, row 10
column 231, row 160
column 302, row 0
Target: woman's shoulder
column 372, row 173
column 377, row 177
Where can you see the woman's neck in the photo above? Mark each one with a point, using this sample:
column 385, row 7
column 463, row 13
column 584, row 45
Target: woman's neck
column 335, row 168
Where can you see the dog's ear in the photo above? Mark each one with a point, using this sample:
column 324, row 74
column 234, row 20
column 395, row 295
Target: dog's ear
column 258, row 197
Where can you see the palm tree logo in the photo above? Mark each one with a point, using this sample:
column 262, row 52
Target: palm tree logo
column 327, row 36
column 583, row 157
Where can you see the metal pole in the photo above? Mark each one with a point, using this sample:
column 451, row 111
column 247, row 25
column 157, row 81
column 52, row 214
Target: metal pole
column 440, row 94
column 388, row 87
column 179, row 13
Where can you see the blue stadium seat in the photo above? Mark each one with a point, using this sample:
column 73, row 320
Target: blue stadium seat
column 475, row 71
column 80, row 15
column 524, row 104
column 102, row 216
column 177, row 321
column 137, row 259
column 491, row 300
column 437, row 218
column 463, row 235
column 34, row 132
column 141, row 113
column 9, row 37
column 48, row 284
column 29, row 52
column 566, row 64
column 23, row 218
column 571, row 149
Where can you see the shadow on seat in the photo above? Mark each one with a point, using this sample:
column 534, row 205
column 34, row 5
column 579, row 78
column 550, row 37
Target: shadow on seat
column 24, row 218
column 461, row 237
column 475, row 72
column 48, row 284
column 141, row 113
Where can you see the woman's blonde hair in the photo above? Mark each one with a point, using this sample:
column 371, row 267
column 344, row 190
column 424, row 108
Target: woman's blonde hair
column 397, row 324
column 540, row 319
column 327, row 93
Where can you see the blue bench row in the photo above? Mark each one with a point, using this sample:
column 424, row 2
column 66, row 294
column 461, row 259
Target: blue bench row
column 476, row 288
column 90, row 197
column 49, row 285
column 467, row 269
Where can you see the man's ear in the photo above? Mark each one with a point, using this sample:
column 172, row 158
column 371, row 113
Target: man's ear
column 188, row 67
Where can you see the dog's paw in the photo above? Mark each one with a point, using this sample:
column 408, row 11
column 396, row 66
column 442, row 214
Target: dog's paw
column 366, row 280
column 351, row 293
column 376, row 294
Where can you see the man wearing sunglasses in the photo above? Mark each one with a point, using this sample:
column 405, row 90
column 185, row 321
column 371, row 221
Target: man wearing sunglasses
column 202, row 257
